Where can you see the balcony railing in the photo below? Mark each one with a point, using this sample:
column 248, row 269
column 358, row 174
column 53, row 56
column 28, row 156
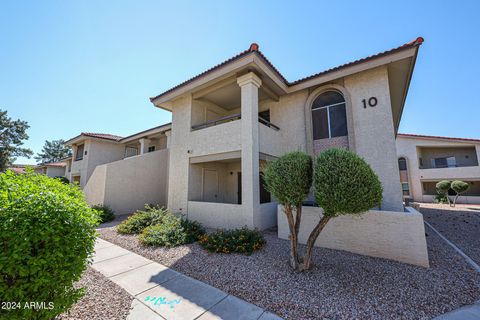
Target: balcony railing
column 229, row 118
column 449, row 166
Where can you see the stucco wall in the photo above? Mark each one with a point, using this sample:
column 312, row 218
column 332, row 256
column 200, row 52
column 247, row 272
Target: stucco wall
column 391, row 235
column 127, row 185
column 374, row 131
column 217, row 215
column 98, row 152
column 409, row 149
column 55, row 171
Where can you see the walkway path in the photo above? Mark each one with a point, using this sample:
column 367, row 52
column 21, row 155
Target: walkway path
column 162, row 293
column 471, row 312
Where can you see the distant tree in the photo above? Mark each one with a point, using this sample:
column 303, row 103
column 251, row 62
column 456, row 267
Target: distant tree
column 443, row 187
column 53, row 151
column 459, row 187
column 12, row 135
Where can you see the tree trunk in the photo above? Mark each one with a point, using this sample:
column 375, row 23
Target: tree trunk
column 307, row 259
column 292, row 237
column 455, row 199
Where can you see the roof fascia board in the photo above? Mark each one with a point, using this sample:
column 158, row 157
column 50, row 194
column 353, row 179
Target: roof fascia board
column 142, row 134
column 82, row 137
column 223, row 72
column 407, row 86
column 343, row 72
column 443, row 139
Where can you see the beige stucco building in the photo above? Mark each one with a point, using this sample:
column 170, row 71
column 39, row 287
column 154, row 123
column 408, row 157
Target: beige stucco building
column 51, row 169
column 232, row 119
column 426, row 160
column 124, row 173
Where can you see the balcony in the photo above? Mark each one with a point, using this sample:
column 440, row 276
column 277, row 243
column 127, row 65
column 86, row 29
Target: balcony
column 229, row 118
column 461, row 172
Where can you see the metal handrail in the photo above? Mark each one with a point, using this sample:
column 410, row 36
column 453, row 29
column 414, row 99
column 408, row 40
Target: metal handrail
column 268, row 123
column 232, row 117
column 216, row 121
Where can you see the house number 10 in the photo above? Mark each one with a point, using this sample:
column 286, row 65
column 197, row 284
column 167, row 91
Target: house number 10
column 372, row 102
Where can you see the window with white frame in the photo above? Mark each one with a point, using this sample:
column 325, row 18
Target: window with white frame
column 329, row 117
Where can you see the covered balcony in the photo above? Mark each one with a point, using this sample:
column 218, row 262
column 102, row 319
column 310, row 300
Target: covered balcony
column 439, row 157
column 215, row 191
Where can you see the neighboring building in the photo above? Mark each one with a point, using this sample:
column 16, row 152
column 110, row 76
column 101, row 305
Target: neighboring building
column 51, row 169
column 426, row 160
column 123, row 173
column 233, row 118
column 19, row 168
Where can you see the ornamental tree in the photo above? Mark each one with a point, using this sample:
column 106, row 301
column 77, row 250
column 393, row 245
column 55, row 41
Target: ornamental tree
column 289, row 179
column 344, row 184
column 443, row 187
column 459, row 187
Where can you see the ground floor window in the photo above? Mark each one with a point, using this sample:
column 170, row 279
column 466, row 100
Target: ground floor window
column 405, row 189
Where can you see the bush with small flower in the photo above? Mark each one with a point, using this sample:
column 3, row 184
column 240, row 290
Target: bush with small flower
column 242, row 240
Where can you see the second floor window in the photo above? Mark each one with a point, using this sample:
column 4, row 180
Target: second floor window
column 329, row 117
column 402, row 164
column 79, row 153
column 151, row 148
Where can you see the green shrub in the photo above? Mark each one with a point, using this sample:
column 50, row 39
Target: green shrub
column 345, row 183
column 171, row 232
column 105, row 213
column 241, row 240
column 47, row 236
column 440, row 198
column 142, row 219
column 289, row 179
column 459, row 187
column 63, row 179
column 442, row 189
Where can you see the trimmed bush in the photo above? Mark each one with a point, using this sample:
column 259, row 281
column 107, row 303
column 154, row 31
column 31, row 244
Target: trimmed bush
column 289, row 179
column 142, row 219
column 242, row 240
column 47, row 236
column 345, row 184
column 105, row 213
column 171, row 232
column 442, row 189
column 459, row 187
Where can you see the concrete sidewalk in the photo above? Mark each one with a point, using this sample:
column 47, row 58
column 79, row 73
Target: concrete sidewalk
column 162, row 293
column 470, row 312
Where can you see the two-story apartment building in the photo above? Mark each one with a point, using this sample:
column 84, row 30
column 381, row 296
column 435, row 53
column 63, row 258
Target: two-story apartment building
column 426, row 160
column 124, row 173
column 230, row 120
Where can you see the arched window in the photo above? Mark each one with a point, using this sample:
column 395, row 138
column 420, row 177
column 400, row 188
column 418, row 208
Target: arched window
column 329, row 117
column 402, row 164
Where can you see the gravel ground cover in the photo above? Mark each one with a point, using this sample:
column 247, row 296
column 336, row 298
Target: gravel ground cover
column 103, row 299
column 459, row 225
column 341, row 285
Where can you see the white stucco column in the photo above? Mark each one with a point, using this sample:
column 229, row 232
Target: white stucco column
column 249, row 85
column 168, row 134
column 144, row 144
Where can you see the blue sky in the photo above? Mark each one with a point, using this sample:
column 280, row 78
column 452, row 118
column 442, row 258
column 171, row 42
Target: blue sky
column 73, row 66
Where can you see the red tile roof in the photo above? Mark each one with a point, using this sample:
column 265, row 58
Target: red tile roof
column 409, row 135
column 55, row 164
column 254, row 49
column 102, row 136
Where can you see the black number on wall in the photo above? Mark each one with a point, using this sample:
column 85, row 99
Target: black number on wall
column 372, row 102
